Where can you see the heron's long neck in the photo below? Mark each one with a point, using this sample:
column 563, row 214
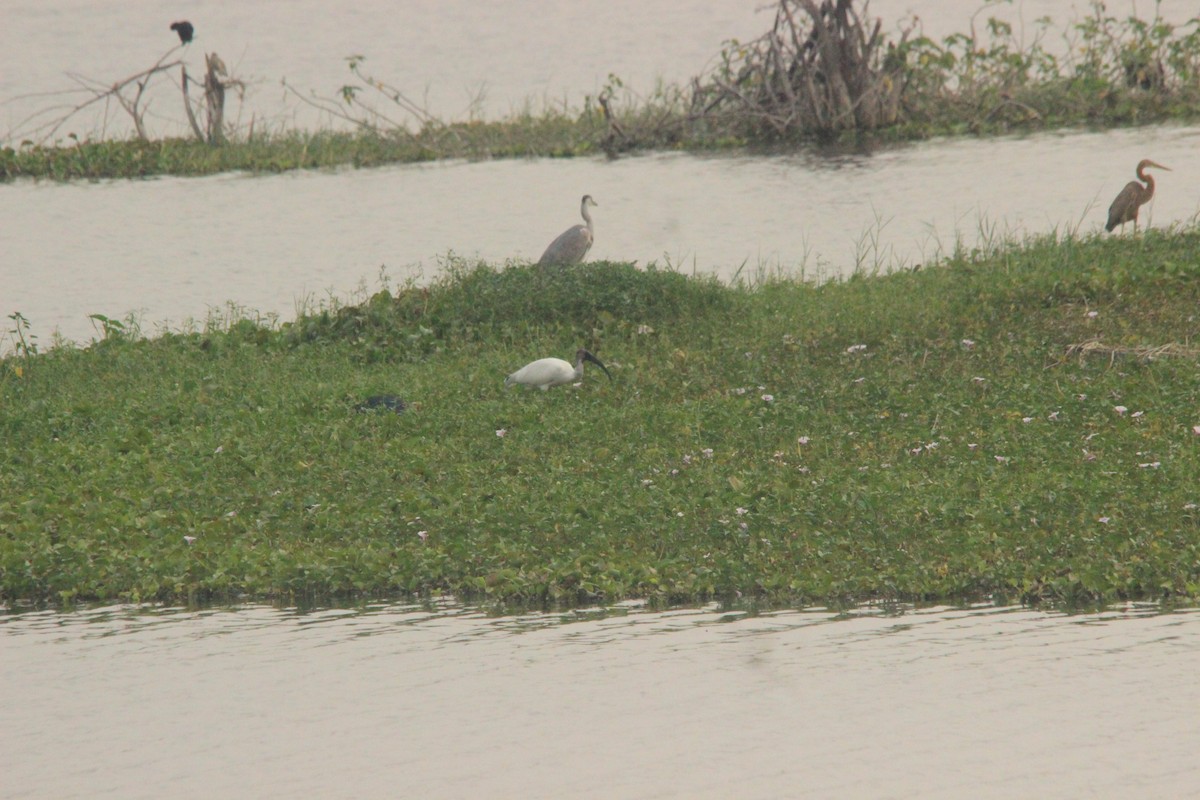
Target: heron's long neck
column 1146, row 178
column 586, row 218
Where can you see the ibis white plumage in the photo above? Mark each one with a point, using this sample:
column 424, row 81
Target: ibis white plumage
column 547, row 372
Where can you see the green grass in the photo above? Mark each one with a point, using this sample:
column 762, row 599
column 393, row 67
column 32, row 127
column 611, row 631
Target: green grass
column 959, row 453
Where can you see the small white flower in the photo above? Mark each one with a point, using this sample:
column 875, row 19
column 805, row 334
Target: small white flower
column 230, row 514
column 1081, row 397
column 859, row 380
column 1186, row 507
column 805, row 440
column 707, row 452
column 1150, row 465
column 803, row 470
column 1093, row 314
column 916, row 451
column 768, row 398
column 1103, row 520
column 968, row 343
column 1001, row 459
column 220, row 449
column 740, row 390
column 679, row 513
column 673, row 472
column 744, row 526
column 1088, row 455
column 931, row 446
column 1053, row 415
column 647, row 482
column 1120, row 409
column 1196, row 430
column 644, row 329
column 1137, row 414
column 190, row 539
column 687, row 459
column 856, row 348
column 978, row 379
column 422, row 535
column 502, row 432
column 972, row 446
column 741, row 512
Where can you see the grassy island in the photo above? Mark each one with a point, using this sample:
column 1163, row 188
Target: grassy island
column 1018, row 423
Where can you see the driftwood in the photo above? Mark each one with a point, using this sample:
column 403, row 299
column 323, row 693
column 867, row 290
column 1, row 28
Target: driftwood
column 823, row 68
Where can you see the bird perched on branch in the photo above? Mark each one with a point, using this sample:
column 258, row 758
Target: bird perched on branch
column 572, row 244
column 1133, row 197
column 547, row 372
column 184, row 29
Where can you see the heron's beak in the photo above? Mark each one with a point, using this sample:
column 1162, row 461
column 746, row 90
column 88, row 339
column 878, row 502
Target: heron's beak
column 589, row 357
column 1160, row 166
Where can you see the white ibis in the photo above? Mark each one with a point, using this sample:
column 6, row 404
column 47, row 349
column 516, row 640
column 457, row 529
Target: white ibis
column 547, row 372
column 572, row 244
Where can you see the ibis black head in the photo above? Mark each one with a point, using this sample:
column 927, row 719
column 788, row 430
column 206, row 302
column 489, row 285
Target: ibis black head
column 583, row 355
column 184, row 29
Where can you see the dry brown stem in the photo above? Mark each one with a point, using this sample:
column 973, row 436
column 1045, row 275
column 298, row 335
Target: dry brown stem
column 823, row 68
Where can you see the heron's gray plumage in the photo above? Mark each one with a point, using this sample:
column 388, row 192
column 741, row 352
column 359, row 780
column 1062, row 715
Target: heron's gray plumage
column 572, row 244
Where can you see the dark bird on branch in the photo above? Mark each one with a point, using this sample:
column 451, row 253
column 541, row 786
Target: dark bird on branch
column 184, row 29
column 1132, row 197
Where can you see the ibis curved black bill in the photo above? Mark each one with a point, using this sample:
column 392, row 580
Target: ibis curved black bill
column 589, row 357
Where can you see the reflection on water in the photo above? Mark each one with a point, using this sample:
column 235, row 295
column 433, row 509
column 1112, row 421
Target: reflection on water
column 174, row 248
column 447, row 701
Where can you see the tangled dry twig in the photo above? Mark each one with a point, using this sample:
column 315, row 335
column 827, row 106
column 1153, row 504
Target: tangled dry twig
column 822, row 68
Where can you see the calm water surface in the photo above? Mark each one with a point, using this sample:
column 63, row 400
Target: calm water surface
column 406, row 702
column 172, row 249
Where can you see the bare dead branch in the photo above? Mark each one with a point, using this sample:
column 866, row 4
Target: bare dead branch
column 824, row 67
